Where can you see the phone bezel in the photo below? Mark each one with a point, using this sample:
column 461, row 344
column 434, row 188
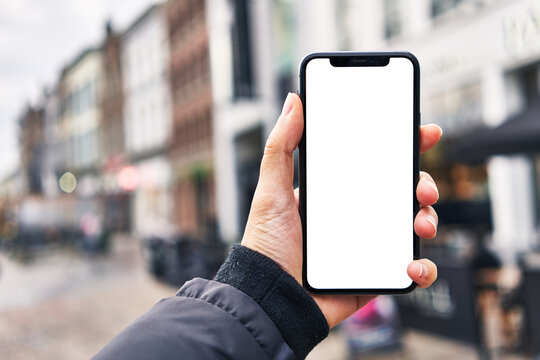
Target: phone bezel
column 302, row 163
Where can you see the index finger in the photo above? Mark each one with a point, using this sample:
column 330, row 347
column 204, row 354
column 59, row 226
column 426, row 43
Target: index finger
column 429, row 136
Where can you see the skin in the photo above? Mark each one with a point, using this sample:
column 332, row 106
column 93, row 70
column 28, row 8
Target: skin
column 274, row 228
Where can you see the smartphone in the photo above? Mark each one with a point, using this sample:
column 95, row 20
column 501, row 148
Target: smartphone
column 358, row 170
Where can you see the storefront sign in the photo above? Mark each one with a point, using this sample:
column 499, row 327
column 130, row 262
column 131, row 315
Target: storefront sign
column 522, row 32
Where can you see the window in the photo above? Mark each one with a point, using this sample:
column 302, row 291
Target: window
column 393, row 24
column 243, row 86
column 529, row 80
column 75, row 102
column 458, row 110
column 92, row 93
column 248, row 148
column 343, row 16
column 85, row 97
column 66, row 105
column 530, row 83
column 439, row 7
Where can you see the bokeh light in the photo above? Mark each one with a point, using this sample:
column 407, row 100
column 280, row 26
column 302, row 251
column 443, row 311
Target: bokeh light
column 68, row 182
column 128, row 178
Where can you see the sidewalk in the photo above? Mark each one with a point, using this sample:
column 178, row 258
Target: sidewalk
column 66, row 306
column 416, row 346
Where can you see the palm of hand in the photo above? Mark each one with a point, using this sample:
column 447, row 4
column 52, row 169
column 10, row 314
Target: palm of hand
column 277, row 233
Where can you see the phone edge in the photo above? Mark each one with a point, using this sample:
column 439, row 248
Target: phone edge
column 302, row 163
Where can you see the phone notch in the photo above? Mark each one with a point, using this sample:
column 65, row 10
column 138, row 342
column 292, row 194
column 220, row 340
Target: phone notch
column 347, row 61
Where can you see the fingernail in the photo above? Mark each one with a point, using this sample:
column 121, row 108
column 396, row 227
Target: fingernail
column 434, row 187
column 288, row 105
column 420, row 269
column 432, row 221
column 440, row 129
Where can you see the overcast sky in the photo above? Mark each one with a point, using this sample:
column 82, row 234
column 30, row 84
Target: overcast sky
column 37, row 38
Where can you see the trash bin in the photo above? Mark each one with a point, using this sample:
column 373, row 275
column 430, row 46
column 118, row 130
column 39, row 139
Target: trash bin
column 177, row 259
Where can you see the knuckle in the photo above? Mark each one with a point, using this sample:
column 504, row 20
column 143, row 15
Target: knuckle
column 271, row 147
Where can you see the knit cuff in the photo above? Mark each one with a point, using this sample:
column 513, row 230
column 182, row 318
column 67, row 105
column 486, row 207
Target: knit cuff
column 294, row 312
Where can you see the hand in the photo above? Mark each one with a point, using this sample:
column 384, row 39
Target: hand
column 274, row 228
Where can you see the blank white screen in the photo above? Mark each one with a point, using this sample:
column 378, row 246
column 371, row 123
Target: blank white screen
column 359, row 175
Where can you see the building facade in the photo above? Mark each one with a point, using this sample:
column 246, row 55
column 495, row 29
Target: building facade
column 477, row 62
column 81, row 85
column 147, row 125
column 50, row 161
column 77, row 132
column 32, row 147
column 245, row 98
column 478, row 65
column 116, row 201
column 111, row 127
column 191, row 152
column 473, row 58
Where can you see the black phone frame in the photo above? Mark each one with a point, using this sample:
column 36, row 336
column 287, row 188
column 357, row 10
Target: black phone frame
column 302, row 159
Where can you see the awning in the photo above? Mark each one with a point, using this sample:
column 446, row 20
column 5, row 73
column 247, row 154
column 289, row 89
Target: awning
column 519, row 134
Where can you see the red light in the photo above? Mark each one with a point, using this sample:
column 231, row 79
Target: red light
column 128, row 178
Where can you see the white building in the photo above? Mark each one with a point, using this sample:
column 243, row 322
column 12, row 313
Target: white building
column 245, row 97
column 80, row 115
column 77, row 130
column 147, row 118
column 475, row 58
column 50, row 161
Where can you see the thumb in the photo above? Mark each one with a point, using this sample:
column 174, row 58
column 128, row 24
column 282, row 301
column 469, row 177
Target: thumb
column 277, row 162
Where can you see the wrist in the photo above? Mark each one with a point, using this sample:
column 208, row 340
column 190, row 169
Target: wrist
column 287, row 259
column 294, row 312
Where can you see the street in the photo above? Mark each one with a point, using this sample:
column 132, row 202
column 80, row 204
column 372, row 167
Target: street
column 65, row 305
column 415, row 346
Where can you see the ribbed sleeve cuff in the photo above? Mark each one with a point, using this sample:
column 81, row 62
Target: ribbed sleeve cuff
column 291, row 308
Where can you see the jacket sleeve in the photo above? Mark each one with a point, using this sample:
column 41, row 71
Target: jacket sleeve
column 253, row 310
column 205, row 320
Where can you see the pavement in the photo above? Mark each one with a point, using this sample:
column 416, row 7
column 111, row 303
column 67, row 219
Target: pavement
column 67, row 306
column 416, row 345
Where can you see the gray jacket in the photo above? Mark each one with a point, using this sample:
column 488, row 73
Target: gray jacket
column 254, row 310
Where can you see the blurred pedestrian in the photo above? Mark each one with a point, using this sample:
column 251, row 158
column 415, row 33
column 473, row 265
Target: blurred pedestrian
column 256, row 308
column 91, row 231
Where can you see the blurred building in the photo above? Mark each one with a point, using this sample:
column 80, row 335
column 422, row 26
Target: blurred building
column 32, row 202
column 32, row 145
column 245, row 100
column 192, row 113
column 115, row 200
column 111, row 127
column 51, row 158
column 479, row 65
column 56, row 210
column 80, row 111
column 11, row 189
column 147, row 124
column 77, row 130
